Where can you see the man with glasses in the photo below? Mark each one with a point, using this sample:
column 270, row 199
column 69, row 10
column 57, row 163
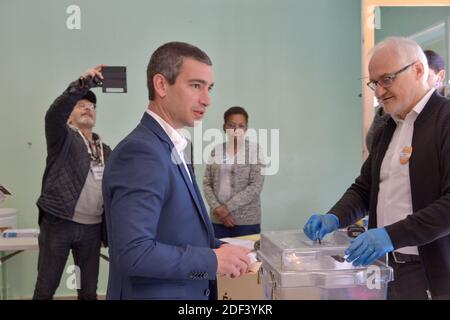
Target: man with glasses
column 436, row 79
column 71, row 211
column 405, row 182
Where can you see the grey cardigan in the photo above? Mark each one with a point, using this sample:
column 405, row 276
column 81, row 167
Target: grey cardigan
column 246, row 185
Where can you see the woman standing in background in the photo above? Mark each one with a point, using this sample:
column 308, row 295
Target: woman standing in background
column 233, row 181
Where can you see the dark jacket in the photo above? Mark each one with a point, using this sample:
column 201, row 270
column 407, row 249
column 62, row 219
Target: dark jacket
column 429, row 168
column 68, row 162
column 380, row 117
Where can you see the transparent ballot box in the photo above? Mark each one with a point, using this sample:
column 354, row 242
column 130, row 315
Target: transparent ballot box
column 297, row 268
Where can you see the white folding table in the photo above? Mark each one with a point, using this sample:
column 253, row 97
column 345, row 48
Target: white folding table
column 9, row 247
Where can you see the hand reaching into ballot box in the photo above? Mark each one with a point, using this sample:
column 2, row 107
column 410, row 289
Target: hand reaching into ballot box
column 318, row 226
column 232, row 260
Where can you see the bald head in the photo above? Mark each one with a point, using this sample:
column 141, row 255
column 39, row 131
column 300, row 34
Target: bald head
column 402, row 50
column 398, row 71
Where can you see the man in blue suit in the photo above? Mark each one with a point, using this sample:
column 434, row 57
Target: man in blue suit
column 161, row 241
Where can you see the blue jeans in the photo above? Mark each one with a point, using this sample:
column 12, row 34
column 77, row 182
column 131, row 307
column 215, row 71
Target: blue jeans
column 221, row 231
column 57, row 237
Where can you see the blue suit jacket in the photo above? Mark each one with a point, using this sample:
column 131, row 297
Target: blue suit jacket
column 160, row 236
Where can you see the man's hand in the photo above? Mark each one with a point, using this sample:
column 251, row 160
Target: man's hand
column 320, row 225
column 93, row 77
column 232, row 260
column 369, row 246
column 95, row 72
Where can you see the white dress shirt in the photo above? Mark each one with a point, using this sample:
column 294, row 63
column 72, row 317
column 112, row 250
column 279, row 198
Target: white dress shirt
column 394, row 197
column 178, row 140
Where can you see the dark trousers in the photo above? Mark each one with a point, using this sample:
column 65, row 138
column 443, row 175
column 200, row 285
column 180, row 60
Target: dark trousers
column 221, row 231
column 409, row 281
column 57, row 237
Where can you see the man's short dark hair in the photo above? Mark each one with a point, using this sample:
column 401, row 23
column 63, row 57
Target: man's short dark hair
column 168, row 59
column 435, row 61
column 235, row 110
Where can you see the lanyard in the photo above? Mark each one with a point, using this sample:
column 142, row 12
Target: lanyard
column 88, row 146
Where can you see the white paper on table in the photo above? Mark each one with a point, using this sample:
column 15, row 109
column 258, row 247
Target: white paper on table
column 249, row 244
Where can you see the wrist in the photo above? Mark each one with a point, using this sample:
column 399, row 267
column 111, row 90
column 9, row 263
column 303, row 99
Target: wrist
column 220, row 215
column 390, row 245
column 335, row 219
column 78, row 85
column 224, row 218
column 81, row 81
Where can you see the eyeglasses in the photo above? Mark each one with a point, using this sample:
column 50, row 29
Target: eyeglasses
column 91, row 106
column 387, row 80
column 234, row 126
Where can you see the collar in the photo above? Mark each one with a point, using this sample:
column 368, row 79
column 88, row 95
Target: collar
column 95, row 136
column 178, row 140
column 417, row 108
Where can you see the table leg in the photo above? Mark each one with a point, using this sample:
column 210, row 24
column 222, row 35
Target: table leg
column 3, row 258
column 4, row 291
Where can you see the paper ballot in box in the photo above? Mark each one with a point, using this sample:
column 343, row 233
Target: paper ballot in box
column 20, row 233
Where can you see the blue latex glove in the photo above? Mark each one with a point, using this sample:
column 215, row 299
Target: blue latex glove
column 369, row 246
column 319, row 225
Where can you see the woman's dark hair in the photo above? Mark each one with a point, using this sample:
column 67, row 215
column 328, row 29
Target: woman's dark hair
column 435, row 61
column 235, row 110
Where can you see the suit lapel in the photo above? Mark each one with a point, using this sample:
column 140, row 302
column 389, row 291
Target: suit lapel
column 203, row 211
column 188, row 182
column 154, row 126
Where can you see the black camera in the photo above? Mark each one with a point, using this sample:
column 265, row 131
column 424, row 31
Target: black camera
column 90, row 82
column 114, row 80
column 96, row 82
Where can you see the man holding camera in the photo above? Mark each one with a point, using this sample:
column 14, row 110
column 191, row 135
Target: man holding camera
column 71, row 214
